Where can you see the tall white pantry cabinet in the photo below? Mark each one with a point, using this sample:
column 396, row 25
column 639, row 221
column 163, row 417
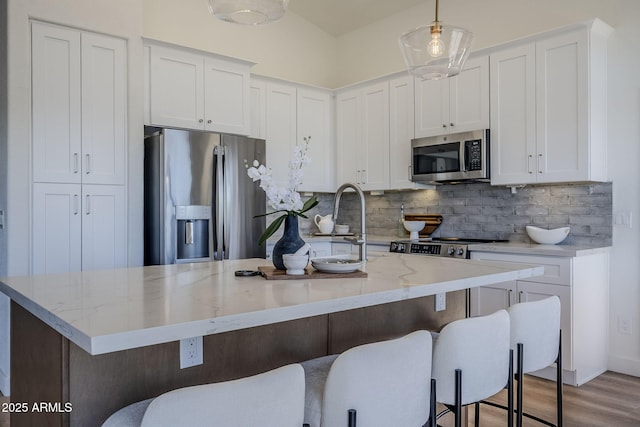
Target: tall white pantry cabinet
column 79, row 95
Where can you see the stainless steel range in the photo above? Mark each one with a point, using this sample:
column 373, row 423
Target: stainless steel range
column 451, row 247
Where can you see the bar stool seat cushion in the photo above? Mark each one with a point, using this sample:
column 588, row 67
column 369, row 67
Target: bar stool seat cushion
column 129, row 416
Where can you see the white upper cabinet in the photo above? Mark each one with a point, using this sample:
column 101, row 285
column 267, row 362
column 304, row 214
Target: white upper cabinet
column 314, row 121
column 401, row 132
column 258, row 104
column 79, row 109
column 79, row 106
column 548, row 109
column 104, row 109
column 281, row 118
column 456, row 104
column 290, row 113
column 193, row 90
column 513, row 128
column 362, row 129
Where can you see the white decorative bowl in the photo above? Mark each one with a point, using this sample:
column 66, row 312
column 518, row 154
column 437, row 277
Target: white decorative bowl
column 295, row 264
column 547, row 237
column 341, row 228
column 413, row 227
column 336, row 265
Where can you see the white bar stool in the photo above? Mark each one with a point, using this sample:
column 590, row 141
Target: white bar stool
column 536, row 338
column 472, row 361
column 271, row 399
column 536, row 335
column 381, row 384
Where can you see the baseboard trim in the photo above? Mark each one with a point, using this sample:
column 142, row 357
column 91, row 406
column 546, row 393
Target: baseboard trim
column 624, row 365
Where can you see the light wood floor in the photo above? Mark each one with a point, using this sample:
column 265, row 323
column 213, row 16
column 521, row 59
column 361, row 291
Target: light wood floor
column 611, row 400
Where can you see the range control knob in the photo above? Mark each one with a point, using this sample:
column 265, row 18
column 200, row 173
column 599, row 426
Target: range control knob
column 460, row 251
column 451, row 251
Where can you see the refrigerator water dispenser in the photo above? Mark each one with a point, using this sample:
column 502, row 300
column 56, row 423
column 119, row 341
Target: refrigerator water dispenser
column 192, row 233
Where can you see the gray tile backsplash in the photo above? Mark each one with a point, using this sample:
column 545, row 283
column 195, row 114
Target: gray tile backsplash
column 479, row 210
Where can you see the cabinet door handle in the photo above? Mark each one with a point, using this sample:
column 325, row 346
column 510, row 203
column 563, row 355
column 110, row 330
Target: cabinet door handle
column 87, row 206
column 75, row 204
column 75, row 162
column 451, row 124
column 358, row 177
column 529, row 158
column 188, row 233
column 520, row 294
column 409, row 173
column 209, row 121
column 444, row 125
column 510, row 298
column 364, row 176
column 200, row 121
column 88, row 163
column 539, row 162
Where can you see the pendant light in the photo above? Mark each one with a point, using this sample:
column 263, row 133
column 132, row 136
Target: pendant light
column 248, row 12
column 436, row 51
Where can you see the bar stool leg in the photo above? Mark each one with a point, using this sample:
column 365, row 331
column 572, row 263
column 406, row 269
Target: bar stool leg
column 432, row 404
column 458, row 398
column 352, row 417
column 559, row 382
column 519, row 378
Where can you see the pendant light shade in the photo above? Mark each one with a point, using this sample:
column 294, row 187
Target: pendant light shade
column 248, row 12
column 436, row 51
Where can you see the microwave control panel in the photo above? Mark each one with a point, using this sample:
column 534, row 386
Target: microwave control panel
column 474, row 155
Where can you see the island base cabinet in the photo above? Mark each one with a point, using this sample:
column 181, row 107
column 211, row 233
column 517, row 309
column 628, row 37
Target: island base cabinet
column 582, row 284
column 75, row 388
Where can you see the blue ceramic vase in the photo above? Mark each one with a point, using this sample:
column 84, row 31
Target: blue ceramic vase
column 288, row 243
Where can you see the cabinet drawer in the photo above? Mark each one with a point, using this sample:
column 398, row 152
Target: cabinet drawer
column 557, row 270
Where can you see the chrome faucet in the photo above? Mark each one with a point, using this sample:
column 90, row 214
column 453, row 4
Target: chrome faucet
column 361, row 240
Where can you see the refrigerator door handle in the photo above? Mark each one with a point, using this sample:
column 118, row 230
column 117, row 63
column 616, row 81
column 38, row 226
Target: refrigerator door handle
column 219, row 201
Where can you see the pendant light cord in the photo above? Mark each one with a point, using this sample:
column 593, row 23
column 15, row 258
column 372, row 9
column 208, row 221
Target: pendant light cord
column 436, row 11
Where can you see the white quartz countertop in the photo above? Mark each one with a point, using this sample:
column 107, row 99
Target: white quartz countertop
column 112, row 310
column 569, row 251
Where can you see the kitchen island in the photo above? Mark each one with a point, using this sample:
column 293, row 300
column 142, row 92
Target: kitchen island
column 89, row 343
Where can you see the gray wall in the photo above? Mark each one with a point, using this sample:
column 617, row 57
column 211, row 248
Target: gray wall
column 479, row 210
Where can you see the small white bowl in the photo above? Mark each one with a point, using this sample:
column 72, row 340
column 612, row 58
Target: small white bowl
column 341, row 228
column 547, row 237
column 295, row 264
column 413, row 227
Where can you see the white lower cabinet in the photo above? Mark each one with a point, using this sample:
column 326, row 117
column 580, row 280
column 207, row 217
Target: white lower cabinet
column 78, row 227
column 582, row 284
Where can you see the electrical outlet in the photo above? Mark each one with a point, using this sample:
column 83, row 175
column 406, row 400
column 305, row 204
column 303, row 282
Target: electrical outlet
column 441, row 301
column 624, row 325
column 190, row 352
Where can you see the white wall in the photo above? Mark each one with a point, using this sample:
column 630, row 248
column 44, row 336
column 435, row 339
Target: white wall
column 624, row 152
column 291, row 48
column 373, row 50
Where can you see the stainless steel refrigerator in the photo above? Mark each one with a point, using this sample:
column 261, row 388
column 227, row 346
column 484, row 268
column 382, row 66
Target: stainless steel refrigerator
column 199, row 203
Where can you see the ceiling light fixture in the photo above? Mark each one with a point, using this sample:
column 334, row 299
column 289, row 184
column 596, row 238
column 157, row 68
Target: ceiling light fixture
column 436, row 51
column 248, row 12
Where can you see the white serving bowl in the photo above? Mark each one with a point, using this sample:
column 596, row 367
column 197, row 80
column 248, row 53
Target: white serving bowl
column 547, row 237
column 295, row 264
column 336, row 265
column 413, row 227
column 341, row 228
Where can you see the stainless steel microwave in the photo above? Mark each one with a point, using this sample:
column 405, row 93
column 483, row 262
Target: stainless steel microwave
column 454, row 157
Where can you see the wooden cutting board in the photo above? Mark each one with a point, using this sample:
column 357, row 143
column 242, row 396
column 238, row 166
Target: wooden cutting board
column 270, row 273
